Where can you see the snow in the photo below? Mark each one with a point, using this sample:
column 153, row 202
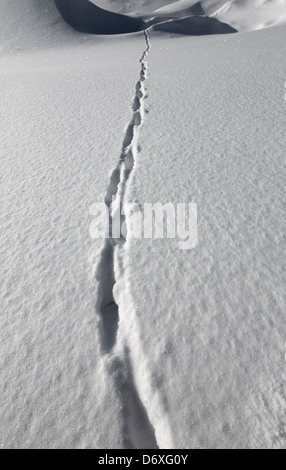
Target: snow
column 30, row 25
column 243, row 15
column 211, row 320
column 138, row 343
column 133, row 6
column 59, row 139
column 249, row 15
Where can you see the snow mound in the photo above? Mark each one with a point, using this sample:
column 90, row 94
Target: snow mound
column 240, row 14
column 34, row 24
column 243, row 15
column 251, row 15
column 86, row 17
column 105, row 17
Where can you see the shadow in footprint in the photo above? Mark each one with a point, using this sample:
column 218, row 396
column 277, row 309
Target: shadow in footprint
column 107, row 305
column 140, row 430
column 110, row 320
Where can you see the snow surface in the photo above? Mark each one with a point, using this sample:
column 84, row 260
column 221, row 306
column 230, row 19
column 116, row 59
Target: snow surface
column 62, row 114
column 212, row 320
column 30, row 25
column 142, row 344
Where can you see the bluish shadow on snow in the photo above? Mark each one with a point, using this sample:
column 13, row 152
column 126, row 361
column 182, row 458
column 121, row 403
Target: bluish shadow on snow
column 138, row 431
column 85, row 17
column 194, row 26
column 106, row 304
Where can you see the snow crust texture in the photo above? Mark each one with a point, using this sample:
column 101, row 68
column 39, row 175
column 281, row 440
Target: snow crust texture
column 124, row 343
column 57, row 389
column 212, row 319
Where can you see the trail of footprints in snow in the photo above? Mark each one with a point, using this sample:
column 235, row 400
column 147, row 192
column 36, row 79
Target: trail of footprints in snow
column 117, row 187
column 138, row 430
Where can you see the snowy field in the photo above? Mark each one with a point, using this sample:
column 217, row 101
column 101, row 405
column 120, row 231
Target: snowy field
column 113, row 344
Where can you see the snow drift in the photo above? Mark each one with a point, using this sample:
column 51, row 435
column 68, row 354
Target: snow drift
column 187, row 17
column 240, row 14
column 86, row 17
